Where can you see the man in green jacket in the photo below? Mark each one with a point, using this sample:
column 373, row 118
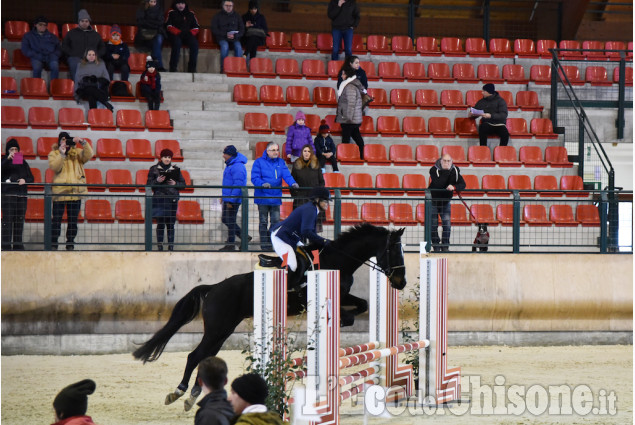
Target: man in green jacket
column 247, row 397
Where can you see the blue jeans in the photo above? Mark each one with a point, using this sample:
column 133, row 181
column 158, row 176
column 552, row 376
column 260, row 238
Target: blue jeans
column 264, row 212
column 157, row 45
column 38, row 66
column 338, row 36
column 73, row 62
column 224, row 50
column 442, row 208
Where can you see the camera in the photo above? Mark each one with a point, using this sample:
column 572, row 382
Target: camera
column 70, row 142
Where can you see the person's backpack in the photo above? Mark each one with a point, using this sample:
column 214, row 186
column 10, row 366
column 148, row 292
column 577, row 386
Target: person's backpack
column 120, row 89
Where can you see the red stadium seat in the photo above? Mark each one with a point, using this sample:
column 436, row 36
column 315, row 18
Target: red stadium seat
column 98, row 211
column 472, row 184
column 509, row 99
column 439, row 73
column 546, row 183
column 525, row 48
column 324, row 97
column 484, row 214
column 375, row 154
column 33, row 88
column 465, row 127
column 388, row 126
column 348, row 154
column 614, row 45
column 452, row 100
column 358, row 45
column 402, row 46
column 458, row 216
column 313, row 121
column 205, row 39
column 412, row 182
column 45, row 146
column 34, row 210
column 597, row 76
column 189, row 212
column 457, row 153
column 374, row 213
column 262, row 68
column 385, row 181
column 505, row 156
column 540, row 74
column 415, row 127
column 428, row 46
column 476, row 47
column 494, row 184
column 101, row 119
column 137, row 63
column 188, row 182
column 402, row 99
column 480, row 156
column 536, row 215
column 298, row 96
column 593, row 45
column 587, row 215
column 573, row 183
column 440, row 127
column 571, row 55
column 531, row 156
column 501, row 48
column 369, row 67
column 522, row 183
column 361, row 181
column 401, row 155
column 128, row 33
column 368, row 127
column 389, row 71
column 557, row 156
column 514, row 74
column 260, row 149
column 464, row 73
column 378, row 45
column 129, row 120
column 13, row 117
column 336, row 180
column 572, row 74
column 400, row 214
column 473, row 96
column 103, row 31
column 141, row 178
column 110, row 150
column 26, row 146
column 325, row 42
column 380, row 98
column 171, row 144
column 128, row 211
column 280, row 122
column 350, row 214
column 139, row 150
column 20, row 61
column 42, row 117
column 158, row 121
column 562, row 216
column 272, row 95
column 427, row 154
column 333, row 68
column 336, row 128
column 628, row 76
column 236, row 67
column 313, row 69
column 420, row 213
column 287, row 69
column 528, row 101
column 15, row 30
column 451, row 46
column 6, row 60
column 285, row 209
column 246, row 94
column 415, row 72
column 517, row 128
column 303, row 42
column 93, row 177
column 505, row 215
column 489, row 73
column 119, row 177
column 277, row 41
column 427, row 99
column 542, row 128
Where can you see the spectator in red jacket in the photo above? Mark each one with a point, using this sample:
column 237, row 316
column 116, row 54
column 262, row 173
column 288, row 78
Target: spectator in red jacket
column 182, row 29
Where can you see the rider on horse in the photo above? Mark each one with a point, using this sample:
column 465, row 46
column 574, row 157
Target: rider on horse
column 300, row 226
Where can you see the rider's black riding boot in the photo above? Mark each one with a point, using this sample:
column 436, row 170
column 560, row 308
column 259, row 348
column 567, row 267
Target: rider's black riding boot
column 295, row 278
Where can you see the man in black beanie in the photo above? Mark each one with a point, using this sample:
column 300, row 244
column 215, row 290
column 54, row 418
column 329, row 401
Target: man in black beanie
column 71, row 403
column 248, row 396
column 494, row 115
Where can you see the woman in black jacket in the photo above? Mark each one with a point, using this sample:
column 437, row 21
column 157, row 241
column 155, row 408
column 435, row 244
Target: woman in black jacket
column 15, row 174
column 166, row 181
column 255, row 30
column 151, row 29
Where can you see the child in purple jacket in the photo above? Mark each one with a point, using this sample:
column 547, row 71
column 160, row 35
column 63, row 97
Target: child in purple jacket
column 298, row 135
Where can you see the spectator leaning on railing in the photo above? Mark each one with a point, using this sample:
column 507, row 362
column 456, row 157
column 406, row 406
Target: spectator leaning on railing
column 15, row 174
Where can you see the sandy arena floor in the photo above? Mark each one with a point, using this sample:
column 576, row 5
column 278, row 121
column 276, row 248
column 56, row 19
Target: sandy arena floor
column 131, row 393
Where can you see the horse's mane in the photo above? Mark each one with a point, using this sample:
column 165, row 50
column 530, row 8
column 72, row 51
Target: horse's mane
column 358, row 231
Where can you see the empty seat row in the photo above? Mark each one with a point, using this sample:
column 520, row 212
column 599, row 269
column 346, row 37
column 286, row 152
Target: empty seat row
column 127, row 211
column 389, row 126
column 41, row 117
column 106, row 149
column 388, row 184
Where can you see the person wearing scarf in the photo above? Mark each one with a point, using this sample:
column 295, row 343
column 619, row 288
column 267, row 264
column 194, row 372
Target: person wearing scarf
column 150, row 85
column 117, row 54
column 349, row 107
column 15, row 173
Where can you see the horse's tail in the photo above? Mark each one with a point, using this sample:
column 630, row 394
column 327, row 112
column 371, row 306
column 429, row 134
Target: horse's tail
column 185, row 310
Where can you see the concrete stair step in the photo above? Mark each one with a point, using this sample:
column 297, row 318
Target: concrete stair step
column 196, row 86
column 208, row 116
column 198, row 95
column 190, row 125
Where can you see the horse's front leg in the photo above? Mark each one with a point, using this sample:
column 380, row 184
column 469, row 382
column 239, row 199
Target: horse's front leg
column 360, row 304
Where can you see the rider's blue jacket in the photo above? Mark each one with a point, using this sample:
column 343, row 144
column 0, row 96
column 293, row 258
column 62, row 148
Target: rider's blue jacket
column 300, row 226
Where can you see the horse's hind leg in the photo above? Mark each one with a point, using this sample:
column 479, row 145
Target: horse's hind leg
column 204, row 349
column 360, row 304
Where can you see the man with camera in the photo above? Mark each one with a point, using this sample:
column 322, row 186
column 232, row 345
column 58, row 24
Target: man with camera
column 67, row 160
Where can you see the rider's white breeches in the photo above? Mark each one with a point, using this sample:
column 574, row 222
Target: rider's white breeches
column 281, row 248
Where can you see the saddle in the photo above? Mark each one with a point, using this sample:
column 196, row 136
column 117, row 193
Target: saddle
column 296, row 279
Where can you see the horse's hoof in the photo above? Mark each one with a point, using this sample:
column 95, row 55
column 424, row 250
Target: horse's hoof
column 189, row 402
column 346, row 320
column 172, row 397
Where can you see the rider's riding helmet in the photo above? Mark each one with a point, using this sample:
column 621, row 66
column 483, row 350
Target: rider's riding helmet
column 321, row 193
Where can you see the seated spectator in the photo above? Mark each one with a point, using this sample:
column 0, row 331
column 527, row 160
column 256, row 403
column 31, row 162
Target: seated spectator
column 298, row 135
column 117, row 54
column 182, row 28
column 43, row 48
column 248, row 395
column 71, row 404
column 227, row 27
column 325, row 147
column 92, row 81
column 79, row 40
column 256, row 30
column 150, row 84
column 151, row 30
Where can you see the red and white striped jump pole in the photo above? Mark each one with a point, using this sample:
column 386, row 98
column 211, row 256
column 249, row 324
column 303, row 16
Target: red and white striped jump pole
column 270, row 313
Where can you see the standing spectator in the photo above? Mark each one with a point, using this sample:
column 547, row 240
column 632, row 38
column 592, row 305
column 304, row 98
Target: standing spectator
column 15, row 174
column 228, row 27
column 92, row 81
column 353, row 61
column 256, row 30
column 325, row 147
column 117, row 54
column 151, row 30
column 71, row 403
column 344, row 16
column 214, row 409
column 445, row 178
column 67, row 162
column 182, row 29
column 494, row 116
column 166, row 181
column 43, row 48
column 150, row 85
column 349, row 107
column 79, row 40
column 298, row 135
column 307, row 174
column 247, row 397
column 234, row 177
column 268, row 171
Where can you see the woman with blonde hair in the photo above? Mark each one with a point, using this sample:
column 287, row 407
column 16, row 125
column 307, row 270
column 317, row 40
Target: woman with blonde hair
column 92, row 81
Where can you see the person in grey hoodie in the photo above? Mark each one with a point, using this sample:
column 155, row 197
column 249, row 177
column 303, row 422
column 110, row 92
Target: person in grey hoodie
column 92, row 81
column 78, row 40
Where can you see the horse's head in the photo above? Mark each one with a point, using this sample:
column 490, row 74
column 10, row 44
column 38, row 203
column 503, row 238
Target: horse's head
column 391, row 260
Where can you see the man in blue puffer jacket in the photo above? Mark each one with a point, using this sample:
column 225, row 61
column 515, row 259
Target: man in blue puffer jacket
column 234, row 176
column 268, row 171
